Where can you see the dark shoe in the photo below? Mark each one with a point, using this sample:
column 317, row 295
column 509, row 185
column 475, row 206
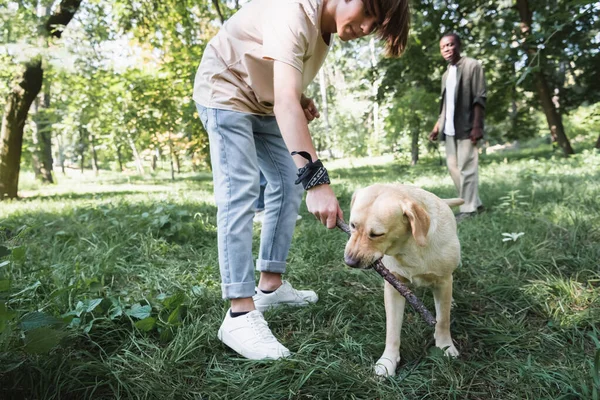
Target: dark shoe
column 465, row 215
column 481, row 209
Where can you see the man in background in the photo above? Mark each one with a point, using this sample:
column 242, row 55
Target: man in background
column 460, row 122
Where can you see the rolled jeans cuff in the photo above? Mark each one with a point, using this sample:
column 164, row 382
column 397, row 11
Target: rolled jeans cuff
column 270, row 266
column 238, row 290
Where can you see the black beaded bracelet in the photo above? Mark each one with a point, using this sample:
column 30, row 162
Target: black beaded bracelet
column 312, row 174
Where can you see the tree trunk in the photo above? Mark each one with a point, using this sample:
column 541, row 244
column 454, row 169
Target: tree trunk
column 13, row 123
column 218, row 7
column 598, row 142
column 60, row 153
column 19, row 100
column 171, row 153
column 42, row 140
column 154, row 162
column 414, row 148
column 325, row 111
column 553, row 117
column 119, row 158
column 82, row 150
column 136, row 155
column 374, row 140
column 94, row 155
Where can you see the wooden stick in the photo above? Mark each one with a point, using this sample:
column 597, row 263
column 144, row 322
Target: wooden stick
column 392, row 280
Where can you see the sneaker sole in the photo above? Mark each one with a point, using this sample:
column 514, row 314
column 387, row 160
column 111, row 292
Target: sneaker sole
column 233, row 344
column 275, row 305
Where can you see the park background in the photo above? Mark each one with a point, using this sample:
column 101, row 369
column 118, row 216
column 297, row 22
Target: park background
column 109, row 283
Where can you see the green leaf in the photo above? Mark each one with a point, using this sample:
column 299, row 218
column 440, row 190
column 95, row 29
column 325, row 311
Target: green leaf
column 4, row 251
column 5, row 313
column 75, row 323
column 92, row 304
column 166, row 335
column 4, row 285
column 42, row 340
column 37, row 320
column 177, row 315
column 174, row 301
column 115, row 312
column 80, row 308
column 197, row 290
column 88, row 326
column 5, row 316
column 96, row 287
column 146, row 324
column 138, row 311
column 18, row 253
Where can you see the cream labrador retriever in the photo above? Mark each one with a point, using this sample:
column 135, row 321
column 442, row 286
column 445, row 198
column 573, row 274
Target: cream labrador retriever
column 415, row 233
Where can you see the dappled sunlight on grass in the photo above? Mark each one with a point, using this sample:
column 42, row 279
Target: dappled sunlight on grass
column 566, row 301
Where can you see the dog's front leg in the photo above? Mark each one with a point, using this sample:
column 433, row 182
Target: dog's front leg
column 394, row 314
column 442, row 295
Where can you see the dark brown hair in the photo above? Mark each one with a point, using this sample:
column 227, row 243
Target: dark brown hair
column 393, row 23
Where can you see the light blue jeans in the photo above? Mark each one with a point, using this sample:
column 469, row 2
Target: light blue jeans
column 242, row 145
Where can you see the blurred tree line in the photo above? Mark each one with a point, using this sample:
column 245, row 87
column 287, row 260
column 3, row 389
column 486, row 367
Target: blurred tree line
column 108, row 85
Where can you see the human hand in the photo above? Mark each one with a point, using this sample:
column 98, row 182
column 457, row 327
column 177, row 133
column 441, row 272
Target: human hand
column 476, row 134
column 322, row 203
column 433, row 135
column 309, row 108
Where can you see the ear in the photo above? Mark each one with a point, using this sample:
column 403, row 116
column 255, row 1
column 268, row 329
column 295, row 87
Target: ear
column 419, row 221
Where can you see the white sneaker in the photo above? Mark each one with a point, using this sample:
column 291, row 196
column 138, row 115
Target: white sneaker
column 250, row 336
column 284, row 295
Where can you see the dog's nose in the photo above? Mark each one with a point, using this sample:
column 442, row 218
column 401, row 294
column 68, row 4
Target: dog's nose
column 351, row 262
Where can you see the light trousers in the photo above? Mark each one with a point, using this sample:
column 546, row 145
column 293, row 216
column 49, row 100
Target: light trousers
column 462, row 159
column 241, row 146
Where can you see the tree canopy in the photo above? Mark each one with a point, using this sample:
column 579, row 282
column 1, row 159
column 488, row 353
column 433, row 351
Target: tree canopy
column 118, row 77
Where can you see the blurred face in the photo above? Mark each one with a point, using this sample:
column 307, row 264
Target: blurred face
column 450, row 49
column 353, row 20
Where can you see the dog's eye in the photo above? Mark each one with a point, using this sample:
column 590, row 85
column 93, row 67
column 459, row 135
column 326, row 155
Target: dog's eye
column 352, row 225
column 374, row 235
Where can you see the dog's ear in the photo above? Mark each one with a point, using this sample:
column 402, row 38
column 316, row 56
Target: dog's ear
column 419, row 221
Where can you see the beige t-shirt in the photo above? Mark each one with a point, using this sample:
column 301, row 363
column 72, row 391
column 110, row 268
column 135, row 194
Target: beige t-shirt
column 236, row 72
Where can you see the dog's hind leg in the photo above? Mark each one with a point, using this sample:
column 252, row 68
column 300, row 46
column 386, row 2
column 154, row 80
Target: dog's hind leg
column 442, row 294
column 394, row 314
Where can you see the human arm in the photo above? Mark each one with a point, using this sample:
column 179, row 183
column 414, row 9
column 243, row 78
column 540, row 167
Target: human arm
column 435, row 131
column 310, row 109
column 292, row 120
column 477, row 130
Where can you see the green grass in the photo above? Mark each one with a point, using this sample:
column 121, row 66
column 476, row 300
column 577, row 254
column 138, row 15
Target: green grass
column 109, row 288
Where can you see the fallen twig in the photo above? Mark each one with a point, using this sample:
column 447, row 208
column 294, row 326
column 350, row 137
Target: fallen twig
column 399, row 286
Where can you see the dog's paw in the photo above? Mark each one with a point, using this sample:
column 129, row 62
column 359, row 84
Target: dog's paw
column 449, row 350
column 386, row 367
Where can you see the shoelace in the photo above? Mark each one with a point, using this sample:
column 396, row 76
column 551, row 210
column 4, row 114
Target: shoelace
column 262, row 329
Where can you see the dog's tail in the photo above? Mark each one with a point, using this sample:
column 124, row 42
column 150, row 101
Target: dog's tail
column 454, row 202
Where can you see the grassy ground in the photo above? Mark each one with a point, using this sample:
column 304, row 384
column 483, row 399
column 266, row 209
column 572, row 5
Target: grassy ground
column 109, row 288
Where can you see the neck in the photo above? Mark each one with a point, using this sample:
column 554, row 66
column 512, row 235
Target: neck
column 455, row 60
column 328, row 25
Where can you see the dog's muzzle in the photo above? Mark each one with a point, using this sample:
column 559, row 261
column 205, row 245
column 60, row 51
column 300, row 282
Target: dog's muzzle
column 357, row 262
